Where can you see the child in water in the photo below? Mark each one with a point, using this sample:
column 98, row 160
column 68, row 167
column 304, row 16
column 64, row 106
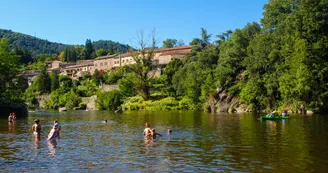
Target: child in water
column 154, row 133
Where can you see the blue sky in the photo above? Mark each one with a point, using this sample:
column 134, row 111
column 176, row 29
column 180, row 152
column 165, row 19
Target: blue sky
column 74, row 21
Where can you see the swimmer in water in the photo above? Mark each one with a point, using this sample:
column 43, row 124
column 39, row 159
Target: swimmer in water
column 154, row 134
column 169, row 131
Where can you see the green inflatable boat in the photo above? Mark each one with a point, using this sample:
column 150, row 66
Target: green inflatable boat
column 274, row 118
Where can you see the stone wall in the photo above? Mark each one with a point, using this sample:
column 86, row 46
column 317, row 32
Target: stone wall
column 105, row 87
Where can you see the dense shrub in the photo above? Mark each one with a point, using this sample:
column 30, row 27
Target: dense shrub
column 109, row 100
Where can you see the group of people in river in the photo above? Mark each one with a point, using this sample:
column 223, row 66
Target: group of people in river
column 12, row 117
column 36, row 128
column 150, row 133
column 272, row 114
column 53, row 134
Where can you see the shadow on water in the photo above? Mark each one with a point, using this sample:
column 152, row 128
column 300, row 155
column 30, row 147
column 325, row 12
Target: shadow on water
column 199, row 142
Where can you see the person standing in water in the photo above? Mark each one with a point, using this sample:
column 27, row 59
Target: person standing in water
column 36, row 128
column 56, row 125
column 54, row 133
column 11, row 118
column 147, row 131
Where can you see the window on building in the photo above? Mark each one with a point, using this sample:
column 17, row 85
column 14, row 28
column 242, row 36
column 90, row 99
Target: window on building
column 96, row 65
column 101, row 64
column 105, row 63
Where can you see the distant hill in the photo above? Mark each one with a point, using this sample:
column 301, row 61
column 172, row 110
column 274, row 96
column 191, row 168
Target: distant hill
column 111, row 46
column 40, row 46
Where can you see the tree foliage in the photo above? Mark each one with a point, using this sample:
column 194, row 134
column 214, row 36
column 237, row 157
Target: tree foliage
column 169, row 43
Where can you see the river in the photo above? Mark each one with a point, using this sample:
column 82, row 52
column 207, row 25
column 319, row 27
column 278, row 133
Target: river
column 200, row 142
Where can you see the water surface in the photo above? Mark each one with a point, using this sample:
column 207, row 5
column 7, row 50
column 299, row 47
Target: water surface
column 200, row 142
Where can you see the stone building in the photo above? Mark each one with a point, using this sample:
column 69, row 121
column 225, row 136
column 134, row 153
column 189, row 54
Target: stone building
column 79, row 69
column 161, row 57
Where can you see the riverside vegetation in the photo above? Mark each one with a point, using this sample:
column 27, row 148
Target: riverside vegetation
column 279, row 63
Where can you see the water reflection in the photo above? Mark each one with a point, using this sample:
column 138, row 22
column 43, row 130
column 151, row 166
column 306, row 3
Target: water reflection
column 52, row 145
column 36, row 140
column 12, row 127
column 200, row 142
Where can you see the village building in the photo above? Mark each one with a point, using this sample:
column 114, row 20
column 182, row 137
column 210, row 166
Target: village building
column 29, row 76
column 161, row 57
column 55, row 66
column 79, row 69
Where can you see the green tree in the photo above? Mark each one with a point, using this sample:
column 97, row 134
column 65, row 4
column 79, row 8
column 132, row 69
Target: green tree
column 142, row 68
column 205, row 37
column 42, row 82
column 169, row 43
column 25, row 57
column 8, row 73
column 101, row 52
column 95, row 77
column 109, row 100
column 88, row 49
column 79, row 52
column 54, row 81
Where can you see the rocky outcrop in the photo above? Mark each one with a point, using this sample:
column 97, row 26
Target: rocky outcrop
column 43, row 100
column 91, row 103
column 223, row 102
column 62, row 109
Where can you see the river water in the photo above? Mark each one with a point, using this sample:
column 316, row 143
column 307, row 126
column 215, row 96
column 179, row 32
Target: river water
column 200, row 142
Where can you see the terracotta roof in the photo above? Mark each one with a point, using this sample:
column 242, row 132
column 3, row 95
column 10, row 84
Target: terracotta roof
column 106, row 57
column 181, row 50
column 173, row 49
column 85, row 61
column 78, row 65
column 177, row 52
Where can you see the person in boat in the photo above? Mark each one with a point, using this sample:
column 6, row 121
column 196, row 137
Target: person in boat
column 271, row 114
column 154, row 134
column 147, row 131
column 284, row 113
column 36, row 128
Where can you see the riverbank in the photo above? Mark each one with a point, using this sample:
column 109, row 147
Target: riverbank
column 7, row 106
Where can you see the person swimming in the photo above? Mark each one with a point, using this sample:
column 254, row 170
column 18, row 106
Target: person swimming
column 154, row 134
column 169, row 131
